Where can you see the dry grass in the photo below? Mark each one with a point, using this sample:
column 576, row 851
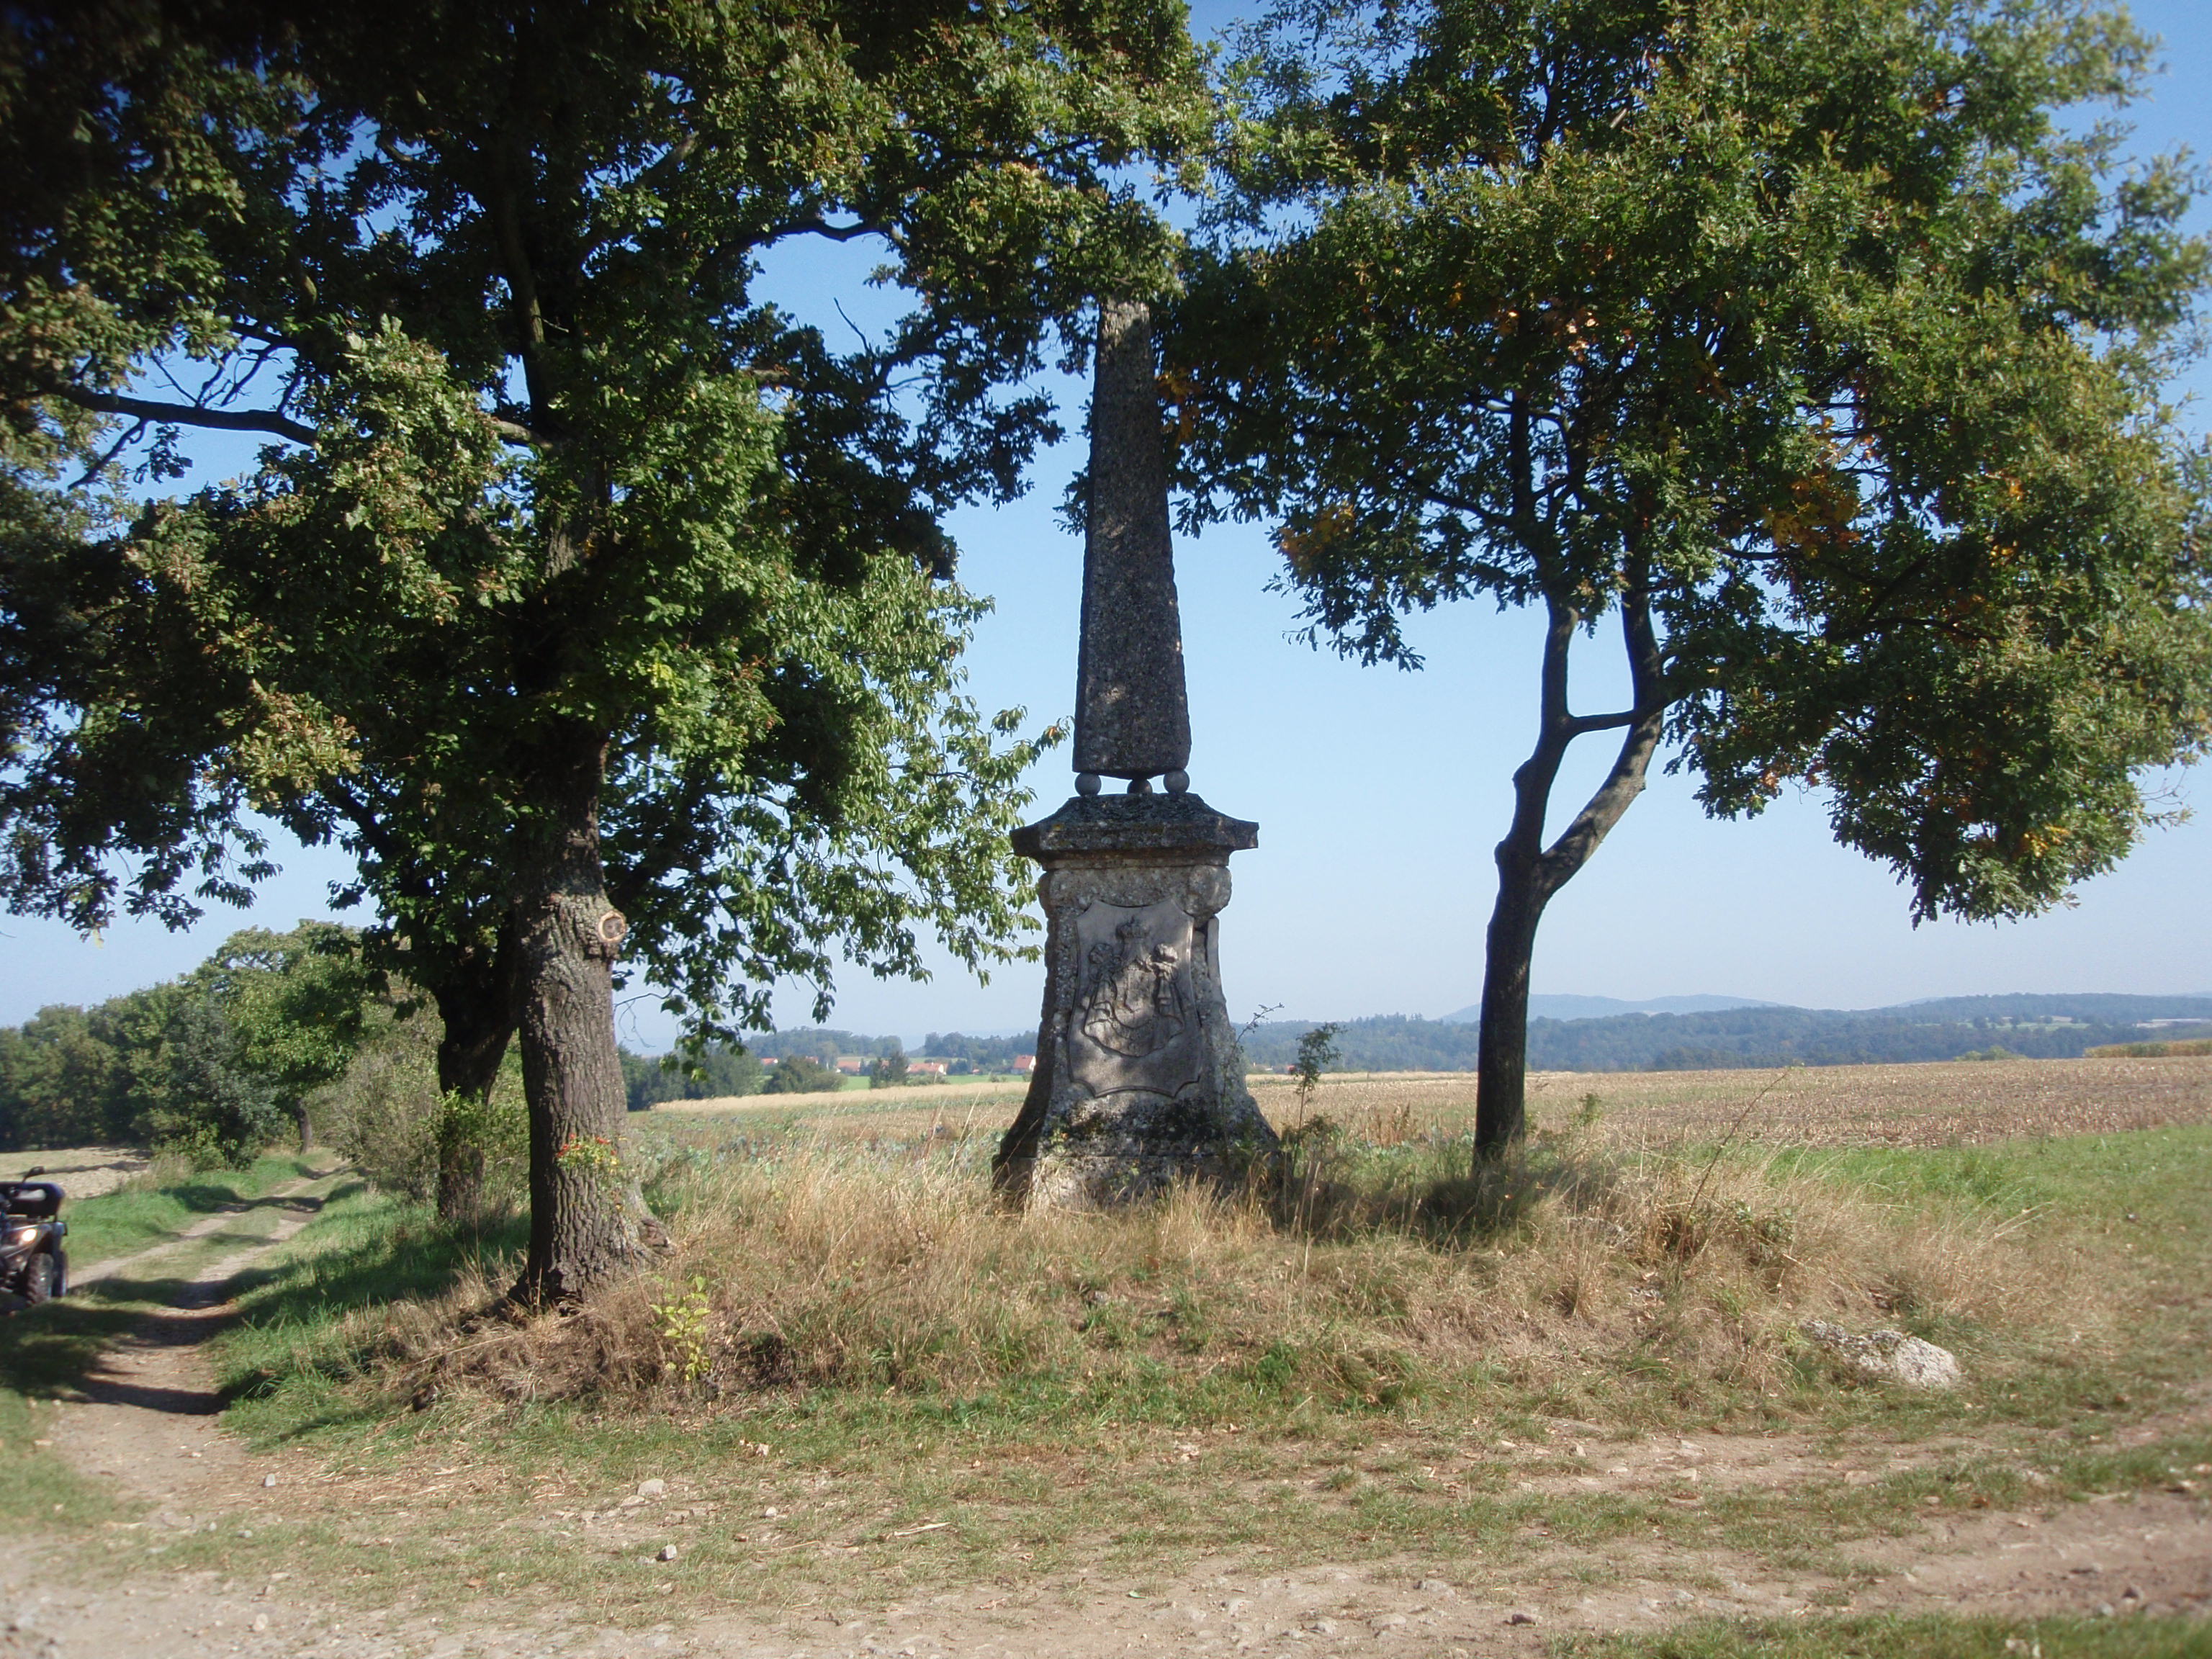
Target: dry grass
column 817, row 1262
column 1958, row 1102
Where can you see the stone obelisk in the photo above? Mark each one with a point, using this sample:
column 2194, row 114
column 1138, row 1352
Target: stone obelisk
column 1140, row 1082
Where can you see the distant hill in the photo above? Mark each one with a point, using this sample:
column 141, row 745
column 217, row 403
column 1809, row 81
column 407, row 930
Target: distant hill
column 2032, row 1027
column 1573, row 1007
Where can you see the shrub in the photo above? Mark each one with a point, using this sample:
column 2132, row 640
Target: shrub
column 389, row 1118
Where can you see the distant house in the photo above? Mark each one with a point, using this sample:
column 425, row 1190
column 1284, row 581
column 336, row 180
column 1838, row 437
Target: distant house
column 1024, row 1063
column 926, row 1068
column 852, row 1065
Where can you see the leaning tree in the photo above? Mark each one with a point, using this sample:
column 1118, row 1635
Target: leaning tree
column 592, row 602
column 1800, row 344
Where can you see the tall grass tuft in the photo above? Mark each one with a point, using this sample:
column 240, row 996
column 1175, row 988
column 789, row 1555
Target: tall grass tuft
column 1375, row 1274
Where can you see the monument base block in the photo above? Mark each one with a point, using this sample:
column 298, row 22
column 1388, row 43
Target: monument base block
column 1140, row 1082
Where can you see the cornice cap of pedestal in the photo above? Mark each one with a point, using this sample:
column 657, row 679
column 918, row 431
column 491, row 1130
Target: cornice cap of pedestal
column 1135, row 823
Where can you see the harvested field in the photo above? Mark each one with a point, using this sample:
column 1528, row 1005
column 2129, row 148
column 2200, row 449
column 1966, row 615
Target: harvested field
column 901, row 1114
column 1958, row 1102
column 82, row 1171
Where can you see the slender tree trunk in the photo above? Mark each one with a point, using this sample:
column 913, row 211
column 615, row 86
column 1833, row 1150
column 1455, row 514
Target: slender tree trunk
column 478, row 1006
column 1502, row 1043
column 1530, row 872
column 587, row 1219
column 307, row 1129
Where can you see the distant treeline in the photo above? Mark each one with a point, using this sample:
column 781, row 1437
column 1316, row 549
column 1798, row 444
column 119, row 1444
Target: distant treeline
column 214, row 1065
column 1954, row 1028
column 806, row 1058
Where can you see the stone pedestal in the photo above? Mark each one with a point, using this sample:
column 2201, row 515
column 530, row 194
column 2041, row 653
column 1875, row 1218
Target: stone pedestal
column 1138, row 1080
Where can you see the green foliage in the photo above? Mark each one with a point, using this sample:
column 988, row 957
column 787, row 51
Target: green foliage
column 296, row 998
column 1800, row 336
column 888, row 1072
column 801, row 1074
column 978, row 1053
column 685, row 1324
column 210, row 1066
column 2151, row 1050
column 1318, row 1052
column 558, row 492
column 212, row 1105
column 716, row 1070
column 57, row 1077
column 394, row 1124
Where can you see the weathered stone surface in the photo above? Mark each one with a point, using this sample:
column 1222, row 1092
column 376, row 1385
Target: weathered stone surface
column 1173, row 826
column 1889, row 1356
column 1131, row 719
column 1138, row 1081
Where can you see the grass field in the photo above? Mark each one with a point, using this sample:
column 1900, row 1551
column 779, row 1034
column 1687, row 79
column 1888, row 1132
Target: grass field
column 1088, row 1387
column 853, row 1368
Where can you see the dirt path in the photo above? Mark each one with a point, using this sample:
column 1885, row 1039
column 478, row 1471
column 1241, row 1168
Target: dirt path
column 210, row 1224
column 148, row 1420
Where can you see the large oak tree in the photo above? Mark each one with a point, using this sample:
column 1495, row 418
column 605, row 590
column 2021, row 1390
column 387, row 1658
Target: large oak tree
column 1798, row 343
column 594, row 603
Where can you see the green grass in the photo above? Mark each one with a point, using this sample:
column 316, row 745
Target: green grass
column 46, row 1351
column 135, row 1217
column 287, row 1362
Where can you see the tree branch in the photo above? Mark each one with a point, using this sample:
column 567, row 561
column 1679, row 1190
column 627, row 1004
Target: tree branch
column 1624, row 782
column 221, row 420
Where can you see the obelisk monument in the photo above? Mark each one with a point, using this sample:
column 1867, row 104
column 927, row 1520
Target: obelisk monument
column 1140, row 1082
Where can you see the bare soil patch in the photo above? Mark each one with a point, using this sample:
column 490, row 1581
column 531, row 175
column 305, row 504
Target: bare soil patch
column 81, row 1171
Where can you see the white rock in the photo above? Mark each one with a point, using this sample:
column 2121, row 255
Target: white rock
column 655, row 1488
column 1889, row 1356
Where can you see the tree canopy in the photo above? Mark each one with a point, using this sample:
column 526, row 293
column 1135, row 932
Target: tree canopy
column 599, row 608
column 1803, row 344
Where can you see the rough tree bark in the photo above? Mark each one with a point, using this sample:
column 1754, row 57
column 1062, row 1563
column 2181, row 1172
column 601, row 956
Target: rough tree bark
column 587, row 1219
column 1530, row 872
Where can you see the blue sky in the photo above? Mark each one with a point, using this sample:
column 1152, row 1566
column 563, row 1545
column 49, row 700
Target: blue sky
column 1379, row 794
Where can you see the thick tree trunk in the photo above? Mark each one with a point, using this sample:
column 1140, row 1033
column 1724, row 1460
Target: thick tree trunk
column 478, row 1006
column 1530, row 872
column 306, row 1128
column 587, row 1220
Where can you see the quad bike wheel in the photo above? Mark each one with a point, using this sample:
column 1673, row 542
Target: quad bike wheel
column 38, row 1278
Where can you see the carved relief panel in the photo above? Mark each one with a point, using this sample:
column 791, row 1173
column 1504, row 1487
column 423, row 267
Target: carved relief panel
column 1133, row 1023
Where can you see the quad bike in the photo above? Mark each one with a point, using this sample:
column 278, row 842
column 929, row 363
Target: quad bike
column 32, row 1263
